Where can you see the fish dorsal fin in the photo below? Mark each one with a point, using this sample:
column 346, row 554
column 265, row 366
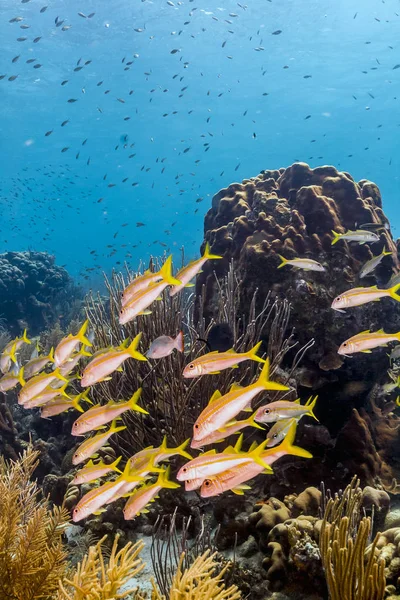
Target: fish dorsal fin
column 217, row 394
column 236, row 386
column 213, row 352
column 229, row 424
column 209, row 452
column 253, row 446
column 366, row 331
column 296, row 401
column 229, row 450
column 238, row 445
column 230, row 351
column 380, row 331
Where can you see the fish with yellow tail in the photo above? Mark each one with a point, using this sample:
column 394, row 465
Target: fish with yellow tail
column 371, row 264
column 92, row 471
column 68, row 345
column 140, row 283
column 37, row 384
column 47, row 395
column 70, row 364
column 101, row 414
column 191, row 270
column 227, row 430
column 95, row 499
column 234, row 479
column 147, row 493
column 8, row 354
column 360, row 295
column 279, row 430
column 215, row 362
column 140, row 302
column 141, row 460
column 62, row 404
column 37, row 363
column 108, row 361
column 362, row 236
column 283, row 409
column 212, row 463
column 366, row 341
column 307, row 264
column 222, row 409
column 91, row 445
column 12, row 378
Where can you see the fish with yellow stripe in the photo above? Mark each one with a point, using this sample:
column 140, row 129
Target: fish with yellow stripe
column 365, row 341
column 213, row 363
column 189, row 272
column 137, row 503
column 359, row 296
column 284, row 409
column 91, row 445
column 68, row 345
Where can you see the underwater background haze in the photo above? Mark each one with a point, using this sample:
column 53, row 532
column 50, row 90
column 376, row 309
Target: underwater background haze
column 120, row 120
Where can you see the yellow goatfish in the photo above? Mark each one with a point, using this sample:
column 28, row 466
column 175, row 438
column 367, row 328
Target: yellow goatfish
column 142, row 497
column 224, row 432
column 8, row 353
column 99, row 415
column 14, row 376
column 360, row 295
column 191, row 270
column 360, row 235
column 234, row 479
column 138, row 284
column 279, row 431
column 371, row 264
column 92, row 471
column 47, row 395
column 364, row 341
column 70, row 363
column 93, row 501
column 210, row 463
column 37, row 384
column 90, row 446
column 68, row 344
column 223, row 409
column 215, row 362
column 102, row 365
column 62, row 404
column 35, row 365
column 140, row 302
column 283, row 409
column 307, row 264
column 141, row 460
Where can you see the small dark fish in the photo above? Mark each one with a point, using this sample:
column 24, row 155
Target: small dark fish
column 30, row 60
column 14, row 60
column 12, row 78
column 82, row 15
column 175, row 50
column 139, row 224
column 72, row 100
column 37, row 39
column 277, row 32
column 2, row 77
column 64, row 82
column 307, row 117
column 37, row 66
column 91, row 15
column 43, row 9
column 63, row 124
column 396, row 67
column 78, row 69
column 25, row 1
column 65, row 149
column 21, row 39
column 374, row 226
column 48, row 133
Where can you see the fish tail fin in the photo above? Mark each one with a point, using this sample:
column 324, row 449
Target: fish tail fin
column 311, row 407
column 238, row 446
column 252, row 354
column 256, row 455
column 81, row 334
column 166, row 272
column 63, row 392
column 394, row 292
column 386, row 252
column 57, row 373
column 114, row 428
column 266, row 383
column 132, row 348
column 284, row 261
column 207, row 254
column 165, row 482
column 25, row 338
column 76, row 401
column 50, row 356
column 133, row 405
column 287, row 444
column 180, row 342
column 181, row 450
column 115, row 463
column 164, row 444
column 85, row 353
column 336, row 237
column 251, row 422
column 21, row 379
column 12, row 353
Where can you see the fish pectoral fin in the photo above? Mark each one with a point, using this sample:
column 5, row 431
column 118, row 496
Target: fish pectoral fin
column 120, row 369
column 189, row 285
column 105, row 379
column 98, row 512
column 239, row 490
column 145, row 312
column 248, row 409
column 215, row 372
column 366, row 351
column 144, row 511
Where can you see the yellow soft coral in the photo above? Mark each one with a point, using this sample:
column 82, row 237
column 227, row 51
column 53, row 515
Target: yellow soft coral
column 32, row 556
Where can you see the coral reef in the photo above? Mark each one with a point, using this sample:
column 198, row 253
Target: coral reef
column 35, row 292
column 292, row 212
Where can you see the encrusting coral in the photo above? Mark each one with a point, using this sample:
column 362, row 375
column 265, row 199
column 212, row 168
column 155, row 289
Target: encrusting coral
column 32, row 555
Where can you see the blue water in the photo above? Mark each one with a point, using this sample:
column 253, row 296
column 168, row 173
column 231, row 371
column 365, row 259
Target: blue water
column 50, row 199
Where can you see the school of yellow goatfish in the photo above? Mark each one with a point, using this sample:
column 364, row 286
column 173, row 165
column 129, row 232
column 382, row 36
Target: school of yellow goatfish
column 213, row 472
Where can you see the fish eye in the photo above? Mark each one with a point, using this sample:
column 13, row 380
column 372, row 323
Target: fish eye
column 207, row 482
column 184, row 469
column 275, row 436
column 191, row 366
column 344, row 343
column 196, row 426
column 338, row 298
column 267, row 411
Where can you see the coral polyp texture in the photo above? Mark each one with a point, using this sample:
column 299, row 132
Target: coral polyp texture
column 34, row 291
